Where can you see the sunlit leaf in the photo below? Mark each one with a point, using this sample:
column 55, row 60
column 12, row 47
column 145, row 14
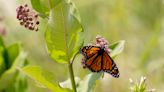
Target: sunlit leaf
column 36, row 73
column 63, row 32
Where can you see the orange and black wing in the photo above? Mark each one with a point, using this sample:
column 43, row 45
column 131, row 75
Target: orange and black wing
column 89, row 51
column 93, row 59
column 98, row 59
column 109, row 66
column 94, row 63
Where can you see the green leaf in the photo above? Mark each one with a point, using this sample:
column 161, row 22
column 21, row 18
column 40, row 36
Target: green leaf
column 11, row 54
column 62, row 33
column 10, row 58
column 2, row 62
column 87, row 84
column 39, row 7
column 8, row 77
column 36, row 4
column 36, row 74
column 20, row 84
column 74, row 11
column 43, row 6
column 116, row 48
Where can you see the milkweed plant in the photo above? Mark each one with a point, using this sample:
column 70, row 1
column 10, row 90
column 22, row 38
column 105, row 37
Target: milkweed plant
column 64, row 36
column 139, row 86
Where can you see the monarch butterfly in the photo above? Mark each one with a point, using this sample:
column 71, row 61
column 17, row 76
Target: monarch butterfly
column 97, row 59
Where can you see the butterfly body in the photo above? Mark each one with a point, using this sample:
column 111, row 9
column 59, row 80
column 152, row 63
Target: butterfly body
column 97, row 59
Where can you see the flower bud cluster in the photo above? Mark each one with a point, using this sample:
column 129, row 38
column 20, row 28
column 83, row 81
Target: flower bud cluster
column 27, row 17
column 103, row 43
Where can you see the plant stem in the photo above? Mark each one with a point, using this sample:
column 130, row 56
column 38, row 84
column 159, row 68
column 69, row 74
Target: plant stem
column 71, row 73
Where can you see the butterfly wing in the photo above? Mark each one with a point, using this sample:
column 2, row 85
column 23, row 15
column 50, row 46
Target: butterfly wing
column 89, row 51
column 109, row 66
column 96, row 64
column 90, row 60
column 93, row 60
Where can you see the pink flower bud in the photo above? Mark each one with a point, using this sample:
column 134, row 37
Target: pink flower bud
column 27, row 17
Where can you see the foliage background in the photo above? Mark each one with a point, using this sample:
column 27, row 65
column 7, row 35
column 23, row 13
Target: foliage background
column 138, row 22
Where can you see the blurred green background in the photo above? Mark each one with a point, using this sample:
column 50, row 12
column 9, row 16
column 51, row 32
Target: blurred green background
column 139, row 22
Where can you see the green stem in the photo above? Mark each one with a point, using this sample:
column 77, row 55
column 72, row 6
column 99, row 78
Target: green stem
column 71, row 73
